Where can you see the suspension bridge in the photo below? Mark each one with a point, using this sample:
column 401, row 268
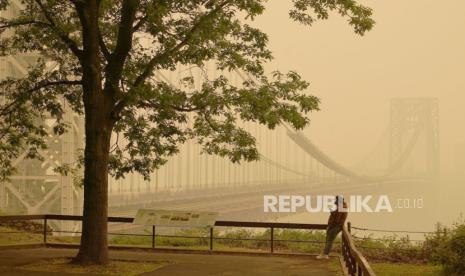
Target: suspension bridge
column 290, row 162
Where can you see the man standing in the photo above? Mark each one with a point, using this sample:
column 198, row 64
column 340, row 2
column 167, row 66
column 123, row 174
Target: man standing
column 336, row 221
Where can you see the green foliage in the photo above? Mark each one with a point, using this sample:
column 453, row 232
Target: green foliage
column 11, row 236
column 447, row 247
column 389, row 269
column 358, row 15
column 302, row 241
column 136, row 40
column 25, row 225
column 233, row 240
column 392, row 249
column 444, row 247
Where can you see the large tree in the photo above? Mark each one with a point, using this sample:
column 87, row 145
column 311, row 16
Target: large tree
column 100, row 56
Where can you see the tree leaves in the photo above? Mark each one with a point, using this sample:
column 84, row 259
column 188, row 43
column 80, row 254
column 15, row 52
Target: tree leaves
column 139, row 39
column 308, row 11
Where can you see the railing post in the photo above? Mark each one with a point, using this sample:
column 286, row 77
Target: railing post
column 354, row 265
column 349, row 226
column 272, row 239
column 211, row 238
column 153, row 236
column 344, row 250
column 45, row 230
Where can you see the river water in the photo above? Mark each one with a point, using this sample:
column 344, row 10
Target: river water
column 416, row 206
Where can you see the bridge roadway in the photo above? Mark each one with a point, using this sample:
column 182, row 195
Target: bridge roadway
column 246, row 206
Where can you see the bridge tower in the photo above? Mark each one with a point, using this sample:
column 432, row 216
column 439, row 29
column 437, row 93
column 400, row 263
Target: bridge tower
column 36, row 188
column 410, row 119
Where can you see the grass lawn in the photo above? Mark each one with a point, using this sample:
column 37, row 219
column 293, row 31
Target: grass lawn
column 63, row 265
column 381, row 269
column 7, row 238
column 335, row 266
column 10, row 236
column 389, row 269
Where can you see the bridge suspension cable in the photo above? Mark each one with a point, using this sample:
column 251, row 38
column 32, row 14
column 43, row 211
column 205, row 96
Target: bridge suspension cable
column 305, row 144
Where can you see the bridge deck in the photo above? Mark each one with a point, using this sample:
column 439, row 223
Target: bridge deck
column 183, row 264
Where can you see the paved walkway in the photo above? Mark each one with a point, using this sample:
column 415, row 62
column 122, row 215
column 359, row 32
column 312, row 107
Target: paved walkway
column 180, row 264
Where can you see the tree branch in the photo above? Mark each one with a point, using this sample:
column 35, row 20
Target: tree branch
column 154, row 61
column 140, row 23
column 64, row 36
column 124, row 39
column 12, row 24
column 7, row 109
column 52, row 83
column 6, row 131
column 152, row 104
column 210, row 123
column 189, row 36
column 103, row 46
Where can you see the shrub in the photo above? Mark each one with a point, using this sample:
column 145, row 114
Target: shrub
column 393, row 249
column 447, row 247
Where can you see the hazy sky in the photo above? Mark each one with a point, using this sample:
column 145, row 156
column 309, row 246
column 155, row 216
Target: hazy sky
column 417, row 49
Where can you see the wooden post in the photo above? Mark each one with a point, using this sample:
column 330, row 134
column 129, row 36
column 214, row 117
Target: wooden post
column 153, row 236
column 211, row 238
column 272, row 239
column 344, row 251
column 353, row 265
column 349, row 227
column 45, row 230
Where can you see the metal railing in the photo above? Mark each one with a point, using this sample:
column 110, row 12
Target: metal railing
column 211, row 237
column 355, row 262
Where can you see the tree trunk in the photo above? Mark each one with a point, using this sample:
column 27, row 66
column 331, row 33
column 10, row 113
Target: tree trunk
column 94, row 244
column 98, row 127
column 98, row 106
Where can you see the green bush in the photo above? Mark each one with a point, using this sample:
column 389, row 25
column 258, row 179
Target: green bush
column 187, row 238
column 393, row 249
column 434, row 244
column 234, row 239
column 302, row 241
column 447, row 247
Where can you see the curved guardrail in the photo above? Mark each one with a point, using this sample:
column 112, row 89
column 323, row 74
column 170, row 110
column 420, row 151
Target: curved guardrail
column 355, row 263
